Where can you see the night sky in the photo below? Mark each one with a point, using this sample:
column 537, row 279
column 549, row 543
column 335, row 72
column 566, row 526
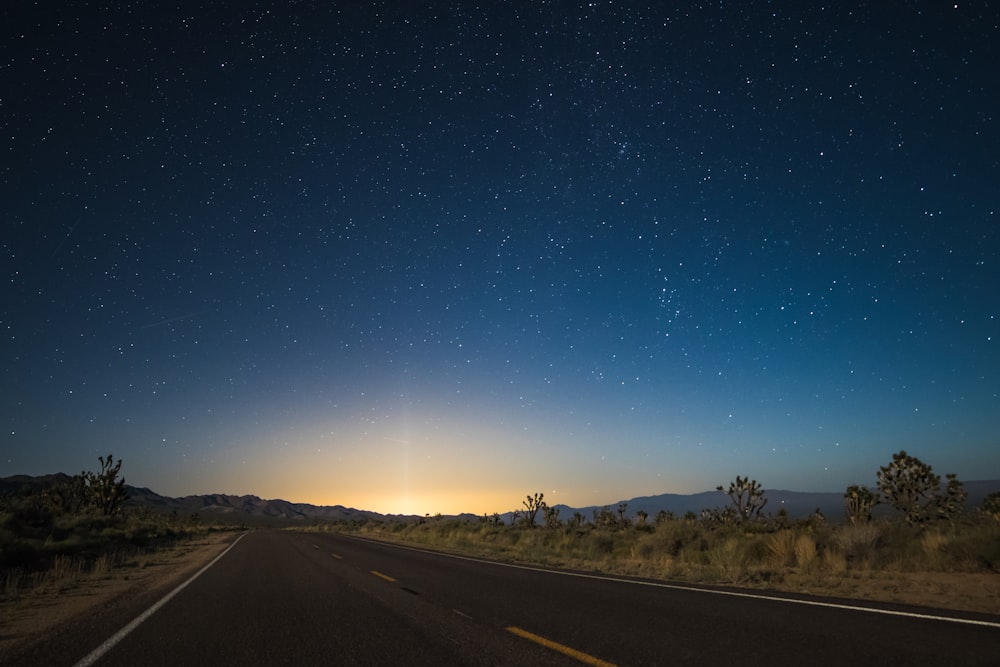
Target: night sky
column 426, row 257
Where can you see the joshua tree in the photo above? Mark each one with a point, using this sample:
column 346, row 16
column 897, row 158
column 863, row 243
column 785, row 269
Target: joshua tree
column 719, row 517
column 747, row 496
column 663, row 516
column 531, row 507
column 107, row 491
column 604, row 517
column 991, row 506
column 949, row 504
column 909, row 485
column 640, row 517
column 492, row 519
column 551, row 516
column 71, row 497
column 622, row 522
column 859, row 501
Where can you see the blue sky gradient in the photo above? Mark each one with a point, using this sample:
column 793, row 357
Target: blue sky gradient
column 432, row 257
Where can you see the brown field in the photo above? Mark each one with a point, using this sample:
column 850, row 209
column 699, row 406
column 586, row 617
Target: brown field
column 961, row 591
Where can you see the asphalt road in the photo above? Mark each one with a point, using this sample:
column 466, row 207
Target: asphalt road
column 287, row 598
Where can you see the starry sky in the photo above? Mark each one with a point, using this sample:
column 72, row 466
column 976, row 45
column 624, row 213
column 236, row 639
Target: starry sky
column 432, row 257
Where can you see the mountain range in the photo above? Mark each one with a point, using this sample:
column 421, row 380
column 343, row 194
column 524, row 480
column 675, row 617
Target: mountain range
column 249, row 508
column 797, row 504
column 246, row 508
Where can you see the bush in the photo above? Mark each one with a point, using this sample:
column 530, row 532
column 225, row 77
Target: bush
column 781, row 546
column 730, row 560
column 858, row 542
column 977, row 547
column 805, row 552
column 731, row 550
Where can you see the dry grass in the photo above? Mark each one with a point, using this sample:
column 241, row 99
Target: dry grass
column 12, row 583
column 731, row 561
column 782, row 548
column 955, row 567
column 805, row 553
column 834, row 562
column 104, row 564
column 858, row 542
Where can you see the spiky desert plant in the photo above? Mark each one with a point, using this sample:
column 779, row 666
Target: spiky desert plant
column 622, row 521
column 551, row 516
column 493, row 519
column 71, row 497
column 531, row 507
column 747, row 496
column 950, row 503
column 604, row 517
column 859, row 501
column 107, row 490
column 910, row 486
column 663, row 517
column 991, row 506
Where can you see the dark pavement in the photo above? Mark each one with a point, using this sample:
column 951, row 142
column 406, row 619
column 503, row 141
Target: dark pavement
column 290, row 598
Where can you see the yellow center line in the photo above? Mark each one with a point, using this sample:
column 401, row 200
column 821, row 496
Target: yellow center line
column 382, row 576
column 565, row 650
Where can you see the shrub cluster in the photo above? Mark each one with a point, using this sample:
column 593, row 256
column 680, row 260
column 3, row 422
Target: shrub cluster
column 705, row 550
column 78, row 526
column 739, row 543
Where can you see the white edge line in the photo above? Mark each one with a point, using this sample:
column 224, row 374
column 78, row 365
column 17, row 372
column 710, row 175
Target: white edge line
column 694, row 589
column 111, row 641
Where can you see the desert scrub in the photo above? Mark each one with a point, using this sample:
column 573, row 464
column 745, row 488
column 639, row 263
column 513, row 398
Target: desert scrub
column 805, row 552
column 781, row 546
column 975, row 548
column 934, row 543
column 858, row 542
column 833, row 561
column 730, row 561
column 748, row 552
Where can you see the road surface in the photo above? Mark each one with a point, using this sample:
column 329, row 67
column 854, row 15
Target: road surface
column 295, row 598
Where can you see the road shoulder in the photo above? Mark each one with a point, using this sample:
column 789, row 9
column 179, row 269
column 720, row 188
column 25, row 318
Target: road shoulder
column 35, row 617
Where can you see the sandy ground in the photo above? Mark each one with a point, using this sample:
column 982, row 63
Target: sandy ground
column 36, row 613
column 961, row 591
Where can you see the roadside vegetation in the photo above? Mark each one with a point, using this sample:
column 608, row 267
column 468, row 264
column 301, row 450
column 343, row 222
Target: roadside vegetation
column 931, row 532
column 52, row 538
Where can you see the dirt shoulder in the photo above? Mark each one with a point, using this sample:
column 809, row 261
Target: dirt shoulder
column 959, row 591
column 33, row 615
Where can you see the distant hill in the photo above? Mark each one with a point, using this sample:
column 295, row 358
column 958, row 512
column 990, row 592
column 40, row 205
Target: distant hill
column 241, row 508
column 798, row 504
column 19, row 483
column 253, row 509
